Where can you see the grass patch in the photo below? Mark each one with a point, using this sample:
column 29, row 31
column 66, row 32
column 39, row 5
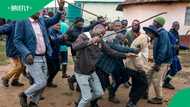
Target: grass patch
column 3, row 58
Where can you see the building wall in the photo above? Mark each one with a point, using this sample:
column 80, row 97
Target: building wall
column 102, row 9
column 176, row 12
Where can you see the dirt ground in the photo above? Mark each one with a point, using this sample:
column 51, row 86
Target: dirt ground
column 63, row 97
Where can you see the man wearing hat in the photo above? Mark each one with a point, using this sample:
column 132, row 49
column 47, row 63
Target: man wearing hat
column 162, row 55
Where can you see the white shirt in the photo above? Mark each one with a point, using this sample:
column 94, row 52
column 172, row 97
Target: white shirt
column 40, row 46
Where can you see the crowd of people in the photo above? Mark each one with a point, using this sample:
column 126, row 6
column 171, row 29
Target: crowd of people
column 38, row 49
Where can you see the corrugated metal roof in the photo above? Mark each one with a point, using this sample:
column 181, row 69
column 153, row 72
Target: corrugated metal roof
column 152, row 1
column 131, row 2
column 119, row 1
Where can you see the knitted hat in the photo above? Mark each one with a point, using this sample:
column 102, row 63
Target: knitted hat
column 160, row 20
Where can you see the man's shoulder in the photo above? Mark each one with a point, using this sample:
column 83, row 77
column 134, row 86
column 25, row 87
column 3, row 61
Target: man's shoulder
column 162, row 30
column 21, row 22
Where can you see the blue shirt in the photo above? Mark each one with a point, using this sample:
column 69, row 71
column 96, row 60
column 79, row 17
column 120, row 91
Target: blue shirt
column 64, row 28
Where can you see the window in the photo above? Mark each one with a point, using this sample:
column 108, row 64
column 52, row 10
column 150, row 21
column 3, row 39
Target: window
column 187, row 17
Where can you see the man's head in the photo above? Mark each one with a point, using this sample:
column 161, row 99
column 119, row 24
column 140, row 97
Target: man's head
column 136, row 26
column 79, row 22
column 175, row 25
column 124, row 23
column 102, row 20
column 151, row 31
column 99, row 30
column 50, row 14
column 36, row 16
column 44, row 12
column 117, row 25
column 159, row 22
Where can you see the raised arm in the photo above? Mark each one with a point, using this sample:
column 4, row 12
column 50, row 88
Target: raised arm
column 111, row 52
column 81, row 43
column 57, row 17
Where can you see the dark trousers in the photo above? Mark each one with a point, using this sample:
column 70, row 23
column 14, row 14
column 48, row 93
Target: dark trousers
column 53, row 68
column 139, row 85
column 171, row 73
column 104, row 79
column 119, row 77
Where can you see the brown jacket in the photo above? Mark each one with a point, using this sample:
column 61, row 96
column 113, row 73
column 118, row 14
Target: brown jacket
column 87, row 55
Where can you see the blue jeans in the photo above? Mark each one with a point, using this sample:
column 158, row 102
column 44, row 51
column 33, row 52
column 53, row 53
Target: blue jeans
column 90, row 88
column 38, row 72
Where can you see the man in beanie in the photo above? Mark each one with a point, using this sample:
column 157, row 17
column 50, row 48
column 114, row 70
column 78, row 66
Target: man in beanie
column 87, row 53
column 175, row 67
column 162, row 55
column 73, row 33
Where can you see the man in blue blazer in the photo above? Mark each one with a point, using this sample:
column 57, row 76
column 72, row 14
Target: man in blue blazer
column 32, row 41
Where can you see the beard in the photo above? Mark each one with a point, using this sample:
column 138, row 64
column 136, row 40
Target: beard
column 136, row 30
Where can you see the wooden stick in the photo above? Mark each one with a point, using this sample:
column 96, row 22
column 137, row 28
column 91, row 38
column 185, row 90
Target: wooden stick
column 83, row 9
column 140, row 23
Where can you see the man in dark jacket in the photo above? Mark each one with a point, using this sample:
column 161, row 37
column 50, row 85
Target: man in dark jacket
column 175, row 67
column 162, row 55
column 73, row 33
column 13, row 54
column 56, row 39
column 87, row 53
column 112, row 64
column 32, row 41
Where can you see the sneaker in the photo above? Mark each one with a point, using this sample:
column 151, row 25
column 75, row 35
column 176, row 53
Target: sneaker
column 156, row 100
column 168, row 86
column 42, row 98
column 114, row 100
column 130, row 104
column 5, row 82
column 33, row 104
column 51, row 85
column 71, row 84
column 23, row 100
column 16, row 83
column 94, row 103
